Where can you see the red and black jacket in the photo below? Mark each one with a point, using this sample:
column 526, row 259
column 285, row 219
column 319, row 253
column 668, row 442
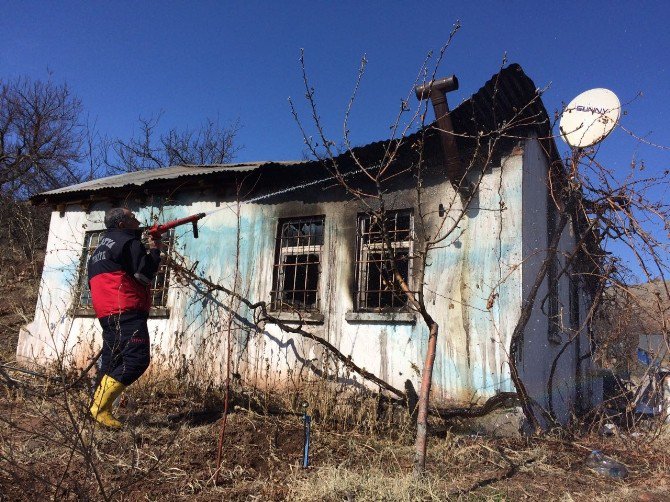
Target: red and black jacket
column 120, row 272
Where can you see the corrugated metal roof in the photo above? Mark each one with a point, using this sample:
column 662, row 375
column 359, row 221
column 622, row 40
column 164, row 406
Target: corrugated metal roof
column 509, row 98
column 508, row 95
column 139, row 178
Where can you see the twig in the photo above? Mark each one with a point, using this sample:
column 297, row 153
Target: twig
column 266, row 317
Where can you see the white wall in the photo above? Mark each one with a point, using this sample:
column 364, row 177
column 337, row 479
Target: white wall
column 474, row 282
column 54, row 335
column 539, row 349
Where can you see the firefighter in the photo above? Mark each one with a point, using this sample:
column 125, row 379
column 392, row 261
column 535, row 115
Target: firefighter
column 120, row 274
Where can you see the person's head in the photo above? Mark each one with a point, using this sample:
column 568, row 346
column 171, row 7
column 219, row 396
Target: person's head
column 120, row 217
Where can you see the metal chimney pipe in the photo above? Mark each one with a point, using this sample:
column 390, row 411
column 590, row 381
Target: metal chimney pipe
column 436, row 91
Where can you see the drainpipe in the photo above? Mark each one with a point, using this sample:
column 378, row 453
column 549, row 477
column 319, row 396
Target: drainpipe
column 437, row 92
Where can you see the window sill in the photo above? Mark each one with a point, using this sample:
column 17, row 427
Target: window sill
column 295, row 318
column 154, row 313
column 381, row 317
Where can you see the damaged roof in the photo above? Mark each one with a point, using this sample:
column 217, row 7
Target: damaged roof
column 508, row 98
column 139, row 178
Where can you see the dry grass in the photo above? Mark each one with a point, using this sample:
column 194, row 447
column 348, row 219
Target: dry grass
column 167, row 451
column 484, row 469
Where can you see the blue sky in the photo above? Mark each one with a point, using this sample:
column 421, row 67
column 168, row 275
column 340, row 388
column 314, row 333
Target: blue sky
column 233, row 60
column 240, row 59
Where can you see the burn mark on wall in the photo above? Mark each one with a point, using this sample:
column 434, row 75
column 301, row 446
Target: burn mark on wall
column 465, row 295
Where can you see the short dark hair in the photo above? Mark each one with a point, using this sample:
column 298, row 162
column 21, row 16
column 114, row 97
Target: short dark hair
column 114, row 216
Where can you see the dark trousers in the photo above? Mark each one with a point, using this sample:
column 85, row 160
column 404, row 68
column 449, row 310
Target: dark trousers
column 125, row 346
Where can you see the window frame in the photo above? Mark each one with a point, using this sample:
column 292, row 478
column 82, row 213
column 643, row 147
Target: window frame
column 363, row 263
column 279, row 294
column 80, row 309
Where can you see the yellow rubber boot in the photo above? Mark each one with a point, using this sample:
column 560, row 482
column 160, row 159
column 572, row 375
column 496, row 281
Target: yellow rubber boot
column 101, row 410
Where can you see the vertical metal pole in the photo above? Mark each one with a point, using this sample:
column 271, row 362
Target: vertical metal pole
column 308, row 421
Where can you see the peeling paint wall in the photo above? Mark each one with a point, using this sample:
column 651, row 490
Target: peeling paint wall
column 540, row 348
column 474, row 286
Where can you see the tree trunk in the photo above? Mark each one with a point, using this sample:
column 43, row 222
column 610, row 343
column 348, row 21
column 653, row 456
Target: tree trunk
column 421, row 442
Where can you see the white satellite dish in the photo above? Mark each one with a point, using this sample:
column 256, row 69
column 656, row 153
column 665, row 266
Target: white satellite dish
column 590, row 117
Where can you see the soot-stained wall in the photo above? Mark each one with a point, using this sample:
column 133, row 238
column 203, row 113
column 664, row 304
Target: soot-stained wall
column 473, row 288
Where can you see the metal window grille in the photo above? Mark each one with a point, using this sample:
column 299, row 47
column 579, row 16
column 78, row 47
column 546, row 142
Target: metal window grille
column 91, row 241
column 159, row 287
column 377, row 290
column 161, row 282
column 298, row 264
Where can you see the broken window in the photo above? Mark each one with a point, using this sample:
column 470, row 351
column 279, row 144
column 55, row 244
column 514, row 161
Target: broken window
column 377, row 290
column 298, row 264
column 159, row 287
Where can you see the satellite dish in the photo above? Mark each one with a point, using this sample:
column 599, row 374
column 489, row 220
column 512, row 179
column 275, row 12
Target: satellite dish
column 589, row 118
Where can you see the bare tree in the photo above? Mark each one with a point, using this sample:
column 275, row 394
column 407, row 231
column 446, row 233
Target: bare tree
column 211, row 143
column 40, row 149
column 40, row 136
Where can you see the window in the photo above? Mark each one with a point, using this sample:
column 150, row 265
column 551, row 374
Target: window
column 159, row 287
column 161, row 283
column 91, row 241
column 376, row 288
column 298, row 264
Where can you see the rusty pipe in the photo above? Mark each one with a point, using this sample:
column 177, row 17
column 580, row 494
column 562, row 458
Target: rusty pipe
column 436, row 88
column 437, row 91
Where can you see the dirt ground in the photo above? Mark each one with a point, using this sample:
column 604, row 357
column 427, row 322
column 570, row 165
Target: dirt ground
column 167, row 451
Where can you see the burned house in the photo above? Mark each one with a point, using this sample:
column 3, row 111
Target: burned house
column 289, row 234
